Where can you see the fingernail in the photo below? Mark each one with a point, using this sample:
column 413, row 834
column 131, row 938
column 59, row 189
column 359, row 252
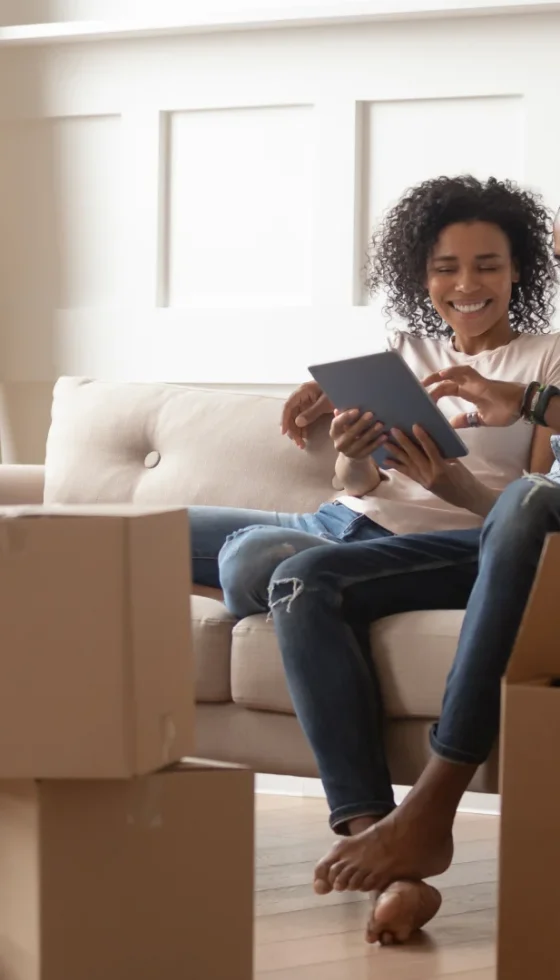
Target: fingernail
column 368, row 416
column 301, row 420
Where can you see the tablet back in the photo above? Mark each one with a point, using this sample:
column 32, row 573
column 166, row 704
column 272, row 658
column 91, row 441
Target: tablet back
column 385, row 385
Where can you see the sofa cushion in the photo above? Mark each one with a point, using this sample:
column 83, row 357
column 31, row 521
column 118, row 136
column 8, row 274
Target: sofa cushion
column 167, row 444
column 211, row 631
column 413, row 653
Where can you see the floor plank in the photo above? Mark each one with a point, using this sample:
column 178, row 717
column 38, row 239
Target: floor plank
column 302, row 936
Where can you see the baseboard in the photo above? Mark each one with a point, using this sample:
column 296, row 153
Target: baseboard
column 297, row 786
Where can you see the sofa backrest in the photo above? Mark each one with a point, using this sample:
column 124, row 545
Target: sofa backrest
column 168, row 444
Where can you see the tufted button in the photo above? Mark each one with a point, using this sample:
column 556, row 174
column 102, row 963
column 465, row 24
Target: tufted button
column 152, row 459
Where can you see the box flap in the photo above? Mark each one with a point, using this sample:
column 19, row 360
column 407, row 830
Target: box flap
column 537, row 649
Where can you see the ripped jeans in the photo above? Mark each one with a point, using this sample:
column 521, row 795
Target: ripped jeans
column 324, row 598
column 237, row 550
column 325, row 577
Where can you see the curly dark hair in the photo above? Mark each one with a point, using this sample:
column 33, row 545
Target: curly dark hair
column 399, row 250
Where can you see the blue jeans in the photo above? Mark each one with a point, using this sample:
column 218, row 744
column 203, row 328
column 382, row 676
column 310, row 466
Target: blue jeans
column 325, row 577
column 232, row 547
column 510, row 548
column 322, row 604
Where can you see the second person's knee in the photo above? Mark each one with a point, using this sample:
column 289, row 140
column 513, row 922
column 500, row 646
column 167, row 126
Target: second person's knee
column 523, row 509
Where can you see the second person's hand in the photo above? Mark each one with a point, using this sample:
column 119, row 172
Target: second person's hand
column 498, row 403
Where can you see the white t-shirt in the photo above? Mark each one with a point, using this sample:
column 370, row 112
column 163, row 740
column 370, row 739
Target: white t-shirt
column 496, row 456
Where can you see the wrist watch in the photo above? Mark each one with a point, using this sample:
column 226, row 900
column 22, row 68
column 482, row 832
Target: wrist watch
column 535, row 402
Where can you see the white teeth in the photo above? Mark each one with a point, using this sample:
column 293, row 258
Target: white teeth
column 470, row 308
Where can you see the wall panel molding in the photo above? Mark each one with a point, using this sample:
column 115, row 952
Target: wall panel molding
column 197, row 208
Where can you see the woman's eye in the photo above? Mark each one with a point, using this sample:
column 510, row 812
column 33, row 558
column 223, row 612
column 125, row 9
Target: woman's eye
column 488, row 268
column 444, row 269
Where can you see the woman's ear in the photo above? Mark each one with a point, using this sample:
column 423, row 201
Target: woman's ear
column 515, row 273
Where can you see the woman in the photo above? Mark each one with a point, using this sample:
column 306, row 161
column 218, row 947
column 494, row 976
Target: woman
column 496, row 238
column 468, row 266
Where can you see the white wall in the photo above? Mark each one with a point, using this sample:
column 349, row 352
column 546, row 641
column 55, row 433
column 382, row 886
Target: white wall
column 48, row 11
column 196, row 208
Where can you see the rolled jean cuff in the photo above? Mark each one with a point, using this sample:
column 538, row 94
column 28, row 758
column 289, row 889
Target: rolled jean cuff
column 451, row 754
column 339, row 817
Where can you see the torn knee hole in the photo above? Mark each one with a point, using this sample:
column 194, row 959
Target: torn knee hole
column 293, row 588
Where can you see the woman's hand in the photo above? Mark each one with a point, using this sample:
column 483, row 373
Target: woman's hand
column 498, row 403
column 448, row 479
column 356, row 436
column 304, row 406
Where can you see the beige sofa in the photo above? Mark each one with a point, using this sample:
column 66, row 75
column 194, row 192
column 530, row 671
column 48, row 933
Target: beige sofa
column 154, row 443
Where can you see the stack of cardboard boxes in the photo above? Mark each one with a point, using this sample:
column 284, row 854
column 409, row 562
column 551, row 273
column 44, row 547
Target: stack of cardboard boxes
column 117, row 859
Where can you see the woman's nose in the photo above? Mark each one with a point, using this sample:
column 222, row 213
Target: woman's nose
column 467, row 282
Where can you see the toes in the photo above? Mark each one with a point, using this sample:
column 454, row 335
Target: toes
column 373, row 932
column 356, row 881
column 322, row 884
column 376, row 933
column 390, row 922
column 401, row 910
column 340, row 875
column 321, row 887
column 369, row 882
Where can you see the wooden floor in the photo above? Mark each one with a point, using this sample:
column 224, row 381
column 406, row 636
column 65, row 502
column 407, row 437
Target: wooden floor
column 301, row 936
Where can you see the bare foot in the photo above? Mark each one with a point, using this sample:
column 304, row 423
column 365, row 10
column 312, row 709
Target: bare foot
column 400, row 911
column 398, row 848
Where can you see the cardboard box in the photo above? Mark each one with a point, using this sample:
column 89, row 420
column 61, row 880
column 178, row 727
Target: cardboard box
column 97, row 674
column 529, row 900
column 144, row 878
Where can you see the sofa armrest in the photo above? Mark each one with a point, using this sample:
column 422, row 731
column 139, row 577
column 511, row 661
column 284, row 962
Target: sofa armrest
column 21, row 484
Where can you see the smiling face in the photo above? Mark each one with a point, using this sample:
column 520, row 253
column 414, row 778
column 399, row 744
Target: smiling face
column 469, row 279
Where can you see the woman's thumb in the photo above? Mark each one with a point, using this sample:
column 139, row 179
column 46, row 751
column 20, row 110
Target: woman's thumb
column 310, row 415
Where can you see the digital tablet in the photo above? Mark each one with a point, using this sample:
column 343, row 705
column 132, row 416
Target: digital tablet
column 384, row 385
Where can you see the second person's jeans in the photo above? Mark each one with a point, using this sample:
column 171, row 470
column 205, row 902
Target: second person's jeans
column 510, row 549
